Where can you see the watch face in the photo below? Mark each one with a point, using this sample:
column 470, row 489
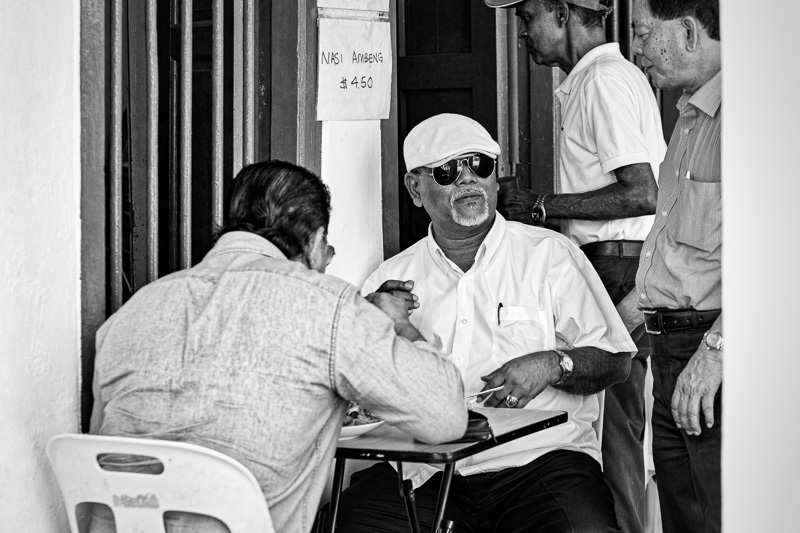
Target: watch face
column 567, row 362
column 714, row 340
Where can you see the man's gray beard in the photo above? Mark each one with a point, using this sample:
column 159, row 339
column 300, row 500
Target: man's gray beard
column 473, row 220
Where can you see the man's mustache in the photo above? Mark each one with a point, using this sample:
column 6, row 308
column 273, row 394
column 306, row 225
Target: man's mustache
column 467, row 192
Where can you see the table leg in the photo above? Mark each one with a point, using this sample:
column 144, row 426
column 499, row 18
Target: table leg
column 338, row 480
column 407, row 493
column 444, row 493
column 411, row 505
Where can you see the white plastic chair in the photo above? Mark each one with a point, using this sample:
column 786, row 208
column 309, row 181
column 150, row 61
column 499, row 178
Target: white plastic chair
column 194, row 479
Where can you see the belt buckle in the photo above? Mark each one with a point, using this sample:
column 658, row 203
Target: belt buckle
column 646, row 328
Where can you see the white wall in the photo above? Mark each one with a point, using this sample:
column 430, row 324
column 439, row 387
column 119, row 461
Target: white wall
column 761, row 142
column 39, row 253
column 351, row 166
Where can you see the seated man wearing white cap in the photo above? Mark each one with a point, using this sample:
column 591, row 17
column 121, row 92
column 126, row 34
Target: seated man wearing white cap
column 511, row 305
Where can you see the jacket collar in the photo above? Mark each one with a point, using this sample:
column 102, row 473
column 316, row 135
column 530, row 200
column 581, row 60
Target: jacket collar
column 244, row 241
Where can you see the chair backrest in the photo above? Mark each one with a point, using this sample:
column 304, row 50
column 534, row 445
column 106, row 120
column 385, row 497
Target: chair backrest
column 194, row 479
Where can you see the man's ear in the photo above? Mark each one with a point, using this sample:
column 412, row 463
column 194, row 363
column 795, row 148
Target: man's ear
column 412, row 184
column 691, row 32
column 314, row 252
column 562, row 12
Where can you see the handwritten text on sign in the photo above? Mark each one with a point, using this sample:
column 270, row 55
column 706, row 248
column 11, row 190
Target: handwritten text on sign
column 355, row 69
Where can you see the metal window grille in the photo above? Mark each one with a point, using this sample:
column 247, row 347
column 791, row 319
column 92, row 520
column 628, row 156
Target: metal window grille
column 152, row 212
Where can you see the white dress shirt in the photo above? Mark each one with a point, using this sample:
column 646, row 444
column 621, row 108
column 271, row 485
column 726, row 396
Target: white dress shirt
column 551, row 298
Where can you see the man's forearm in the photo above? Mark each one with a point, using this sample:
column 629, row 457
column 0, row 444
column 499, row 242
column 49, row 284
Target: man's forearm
column 616, row 200
column 595, row 370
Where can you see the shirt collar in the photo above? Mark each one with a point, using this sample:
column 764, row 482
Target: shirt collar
column 485, row 252
column 707, row 99
column 244, row 241
column 583, row 63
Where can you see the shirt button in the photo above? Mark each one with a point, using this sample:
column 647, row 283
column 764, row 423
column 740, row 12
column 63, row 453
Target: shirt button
column 686, row 131
column 642, row 296
column 458, row 360
column 677, row 172
column 464, row 321
column 648, row 254
column 663, row 213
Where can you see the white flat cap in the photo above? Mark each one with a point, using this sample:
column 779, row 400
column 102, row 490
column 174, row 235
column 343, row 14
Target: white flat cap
column 594, row 5
column 502, row 3
column 437, row 139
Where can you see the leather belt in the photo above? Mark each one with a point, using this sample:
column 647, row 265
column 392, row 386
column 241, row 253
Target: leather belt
column 613, row 249
column 658, row 321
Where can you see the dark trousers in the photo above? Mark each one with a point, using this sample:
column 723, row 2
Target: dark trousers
column 624, row 414
column 560, row 492
column 687, row 466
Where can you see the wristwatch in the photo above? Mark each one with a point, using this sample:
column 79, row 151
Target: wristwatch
column 565, row 361
column 538, row 212
column 713, row 340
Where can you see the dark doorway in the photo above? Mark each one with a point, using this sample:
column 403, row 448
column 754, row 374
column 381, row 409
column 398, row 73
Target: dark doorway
column 446, row 64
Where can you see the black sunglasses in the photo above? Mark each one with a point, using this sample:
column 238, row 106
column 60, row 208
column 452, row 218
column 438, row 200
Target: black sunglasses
column 480, row 164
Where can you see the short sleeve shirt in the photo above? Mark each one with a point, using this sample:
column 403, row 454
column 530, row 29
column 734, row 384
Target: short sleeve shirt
column 609, row 119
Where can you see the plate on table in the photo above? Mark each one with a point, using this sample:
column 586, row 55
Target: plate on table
column 351, row 432
column 358, row 421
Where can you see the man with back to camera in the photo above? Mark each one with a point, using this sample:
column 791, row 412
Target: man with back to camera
column 678, row 286
column 610, row 145
column 514, row 306
column 254, row 353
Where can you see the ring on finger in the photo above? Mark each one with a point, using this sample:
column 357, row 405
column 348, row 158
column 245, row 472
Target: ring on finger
column 511, row 401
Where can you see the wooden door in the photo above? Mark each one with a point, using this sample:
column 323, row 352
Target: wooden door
column 446, row 64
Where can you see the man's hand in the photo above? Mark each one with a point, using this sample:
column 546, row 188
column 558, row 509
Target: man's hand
column 517, row 204
column 696, row 387
column 629, row 312
column 524, row 378
column 394, row 306
column 397, row 308
column 398, row 289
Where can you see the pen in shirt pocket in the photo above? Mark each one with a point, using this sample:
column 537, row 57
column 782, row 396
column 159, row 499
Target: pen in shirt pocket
column 499, row 306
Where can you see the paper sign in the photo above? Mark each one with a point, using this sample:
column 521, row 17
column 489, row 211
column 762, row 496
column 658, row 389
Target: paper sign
column 354, row 69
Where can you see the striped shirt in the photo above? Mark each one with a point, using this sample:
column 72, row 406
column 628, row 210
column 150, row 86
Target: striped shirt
column 680, row 262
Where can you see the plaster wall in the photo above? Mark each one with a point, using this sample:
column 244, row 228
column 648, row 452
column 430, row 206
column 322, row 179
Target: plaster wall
column 761, row 287
column 351, row 166
column 39, row 254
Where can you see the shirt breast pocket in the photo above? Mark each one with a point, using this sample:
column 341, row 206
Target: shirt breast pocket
column 699, row 220
column 521, row 330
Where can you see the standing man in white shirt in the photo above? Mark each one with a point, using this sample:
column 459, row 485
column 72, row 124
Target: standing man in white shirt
column 511, row 305
column 610, row 146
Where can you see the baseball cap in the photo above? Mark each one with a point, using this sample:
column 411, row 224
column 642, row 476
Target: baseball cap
column 594, row 5
column 437, row 139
